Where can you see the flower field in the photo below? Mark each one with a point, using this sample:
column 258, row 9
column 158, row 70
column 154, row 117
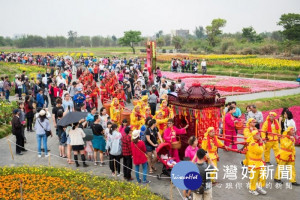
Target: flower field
column 168, row 57
column 6, row 117
column 11, row 69
column 62, row 183
column 269, row 63
column 230, row 85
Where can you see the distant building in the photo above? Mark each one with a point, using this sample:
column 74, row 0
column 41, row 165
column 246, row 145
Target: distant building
column 181, row 33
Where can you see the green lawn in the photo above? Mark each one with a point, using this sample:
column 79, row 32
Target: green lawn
column 272, row 103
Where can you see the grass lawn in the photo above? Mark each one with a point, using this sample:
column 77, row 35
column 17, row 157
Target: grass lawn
column 271, row 103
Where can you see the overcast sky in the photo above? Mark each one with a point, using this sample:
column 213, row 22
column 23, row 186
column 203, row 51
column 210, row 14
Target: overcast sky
column 113, row 17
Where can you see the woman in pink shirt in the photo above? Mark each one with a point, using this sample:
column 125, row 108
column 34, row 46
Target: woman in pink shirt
column 192, row 149
column 123, row 126
column 230, row 131
column 190, row 152
column 170, row 136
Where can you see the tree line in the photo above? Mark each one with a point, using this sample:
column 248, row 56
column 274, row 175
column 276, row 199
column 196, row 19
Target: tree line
column 204, row 40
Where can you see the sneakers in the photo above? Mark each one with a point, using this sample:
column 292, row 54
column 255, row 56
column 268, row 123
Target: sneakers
column 39, row 156
column 119, row 174
column 85, row 165
column 46, row 155
column 19, row 153
column 101, row 164
column 261, row 191
column 253, row 192
column 95, row 163
column 146, row 182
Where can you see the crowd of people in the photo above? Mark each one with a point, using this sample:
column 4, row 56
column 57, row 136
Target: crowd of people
column 186, row 65
column 116, row 83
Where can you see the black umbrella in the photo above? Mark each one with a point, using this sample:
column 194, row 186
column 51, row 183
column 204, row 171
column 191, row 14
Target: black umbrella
column 71, row 118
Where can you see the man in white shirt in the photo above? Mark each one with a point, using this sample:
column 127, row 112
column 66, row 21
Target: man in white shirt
column 60, row 80
column 203, row 66
column 44, row 79
column 163, row 90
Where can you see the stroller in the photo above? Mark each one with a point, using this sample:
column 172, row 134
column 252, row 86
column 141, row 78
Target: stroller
column 163, row 149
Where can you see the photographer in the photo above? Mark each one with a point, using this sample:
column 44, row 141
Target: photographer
column 204, row 163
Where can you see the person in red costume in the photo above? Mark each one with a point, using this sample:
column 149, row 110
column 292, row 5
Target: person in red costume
column 95, row 94
column 166, row 111
column 170, row 136
column 103, row 93
column 120, row 95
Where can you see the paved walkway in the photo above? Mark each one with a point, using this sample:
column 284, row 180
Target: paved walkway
column 268, row 94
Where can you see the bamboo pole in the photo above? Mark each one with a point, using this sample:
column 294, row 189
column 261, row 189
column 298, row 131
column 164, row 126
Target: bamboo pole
column 115, row 167
column 11, row 153
column 49, row 159
column 21, row 190
column 171, row 191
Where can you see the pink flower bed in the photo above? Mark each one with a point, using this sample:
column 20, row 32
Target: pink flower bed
column 225, row 84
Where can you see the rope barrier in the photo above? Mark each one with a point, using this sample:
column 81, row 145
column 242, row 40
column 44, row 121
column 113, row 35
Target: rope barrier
column 179, row 193
column 30, row 150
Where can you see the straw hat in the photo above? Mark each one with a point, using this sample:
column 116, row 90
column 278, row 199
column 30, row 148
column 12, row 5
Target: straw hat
column 135, row 134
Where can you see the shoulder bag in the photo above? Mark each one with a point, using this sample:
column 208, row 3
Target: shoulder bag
column 48, row 133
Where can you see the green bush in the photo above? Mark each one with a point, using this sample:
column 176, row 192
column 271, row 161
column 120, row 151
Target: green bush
column 296, row 50
column 267, row 49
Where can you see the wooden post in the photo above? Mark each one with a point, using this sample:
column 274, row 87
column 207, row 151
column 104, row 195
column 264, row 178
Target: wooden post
column 115, row 167
column 49, row 158
column 21, row 190
column 171, row 191
column 11, row 153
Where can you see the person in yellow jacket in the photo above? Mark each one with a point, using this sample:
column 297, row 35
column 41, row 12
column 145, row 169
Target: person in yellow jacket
column 270, row 131
column 143, row 104
column 211, row 143
column 255, row 164
column 136, row 118
column 161, row 122
column 115, row 111
column 248, row 134
column 287, row 155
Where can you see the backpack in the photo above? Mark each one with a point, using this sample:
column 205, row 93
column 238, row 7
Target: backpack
column 175, row 64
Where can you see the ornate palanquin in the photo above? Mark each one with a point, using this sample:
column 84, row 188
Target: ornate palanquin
column 197, row 107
